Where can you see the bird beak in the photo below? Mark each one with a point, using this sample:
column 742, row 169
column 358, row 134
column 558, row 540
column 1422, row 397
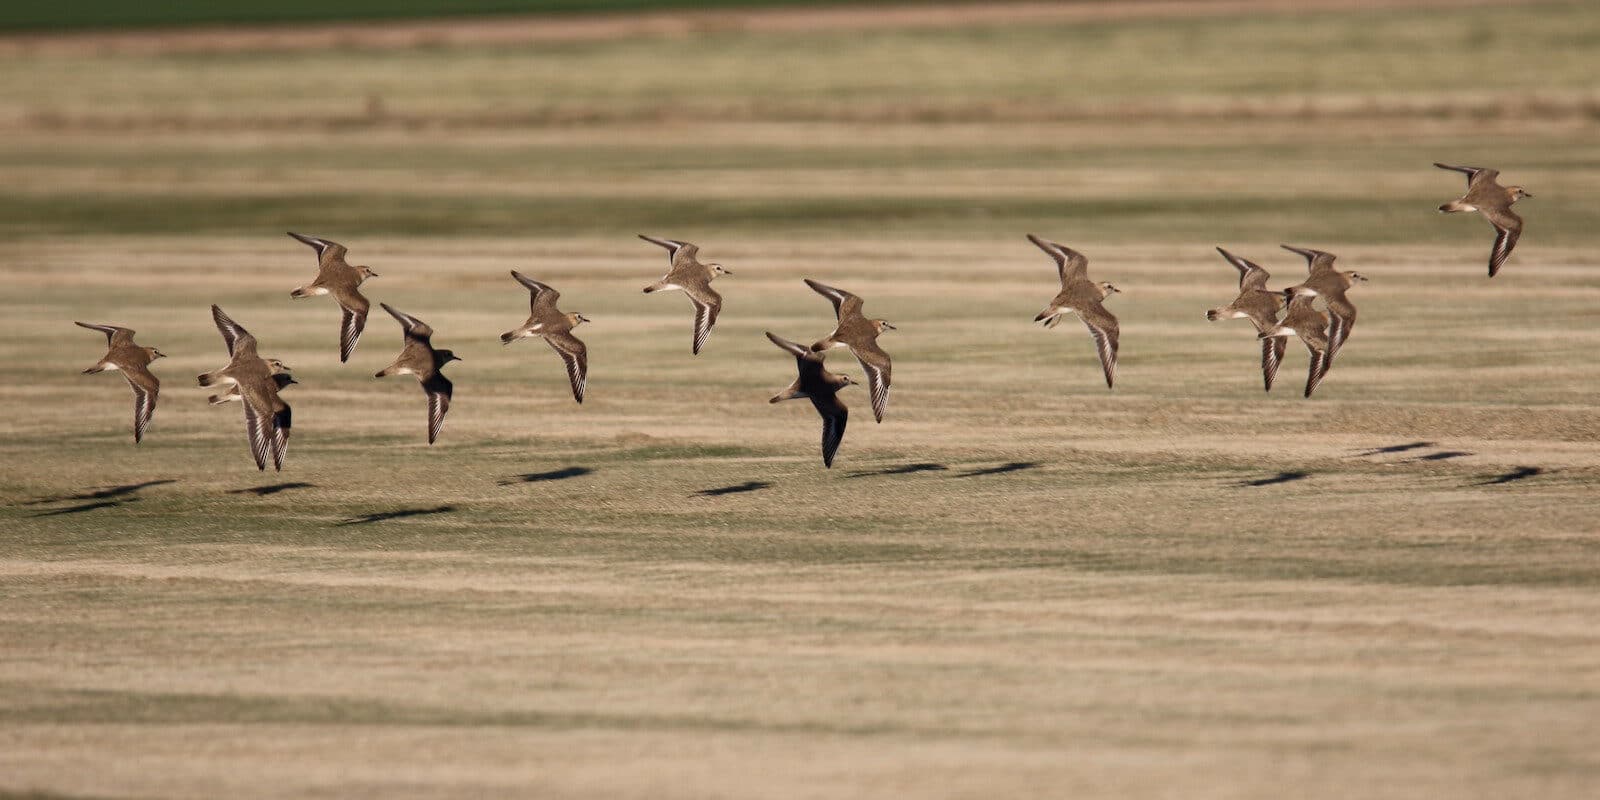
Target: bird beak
column 1526, row 193
column 372, row 274
column 888, row 327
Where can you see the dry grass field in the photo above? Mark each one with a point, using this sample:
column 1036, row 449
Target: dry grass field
column 1020, row 584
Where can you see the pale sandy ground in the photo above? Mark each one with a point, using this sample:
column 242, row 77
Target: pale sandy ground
column 1020, row 584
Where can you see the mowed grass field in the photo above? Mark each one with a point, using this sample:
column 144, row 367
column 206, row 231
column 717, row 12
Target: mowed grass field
column 1019, row 584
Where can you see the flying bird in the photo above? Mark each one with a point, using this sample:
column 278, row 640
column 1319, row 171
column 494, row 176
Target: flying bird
column 267, row 418
column 1083, row 297
column 418, row 357
column 694, row 279
column 821, row 387
column 555, row 327
column 337, row 277
column 859, row 334
column 1311, row 326
column 1259, row 305
column 1486, row 196
column 1331, row 285
column 133, row 361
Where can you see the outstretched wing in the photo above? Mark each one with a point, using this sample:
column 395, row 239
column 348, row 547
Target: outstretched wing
column 232, row 332
column 1251, row 275
column 351, row 325
column 706, row 305
column 875, row 363
column 1341, row 318
column 540, row 295
column 844, row 303
column 1317, row 369
column 411, row 325
column 145, row 389
column 575, row 355
column 439, row 390
column 1507, row 230
column 1271, row 358
column 674, row 247
column 257, row 428
column 1474, row 174
column 796, row 350
column 1071, row 265
column 835, row 415
column 114, row 334
column 1103, row 327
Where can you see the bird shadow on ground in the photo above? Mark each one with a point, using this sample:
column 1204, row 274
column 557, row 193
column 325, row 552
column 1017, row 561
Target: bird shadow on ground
column 739, row 488
column 383, row 516
column 1442, row 455
column 1394, row 448
column 1014, row 466
column 903, row 469
column 1282, row 477
column 263, row 491
column 102, row 493
column 553, row 475
column 85, row 507
column 1517, row 474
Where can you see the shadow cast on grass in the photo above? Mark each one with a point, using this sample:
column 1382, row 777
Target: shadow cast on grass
column 740, row 488
column 79, row 509
column 553, row 475
column 1282, row 477
column 1520, row 473
column 103, row 493
column 384, row 516
column 1442, row 455
column 1395, row 448
column 1014, row 466
column 903, row 469
column 263, row 491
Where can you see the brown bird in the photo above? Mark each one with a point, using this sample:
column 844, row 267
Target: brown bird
column 1331, row 285
column 555, row 326
column 1486, row 196
column 821, row 387
column 1259, row 305
column 133, row 361
column 694, row 279
column 335, row 276
column 283, row 380
column 859, row 334
column 267, row 418
column 1082, row 297
column 419, row 358
column 1311, row 326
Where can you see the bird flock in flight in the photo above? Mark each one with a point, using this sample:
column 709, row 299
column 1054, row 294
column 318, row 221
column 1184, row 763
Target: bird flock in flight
column 257, row 382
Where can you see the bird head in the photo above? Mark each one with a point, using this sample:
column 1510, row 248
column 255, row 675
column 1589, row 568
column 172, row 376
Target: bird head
column 577, row 319
column 883, row 325
column 277, row 366
column 1106, row 289
column 366, row 272
column 155, row 354
column 717, row 269
column 446, row 356
column 1517, row 193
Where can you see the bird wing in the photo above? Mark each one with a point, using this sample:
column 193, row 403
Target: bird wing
column 674, row 247
column 1507, row 230
column 412, row 326
column 439, row 390
column 1472, row 173
column 540, row 295
column 280, row 435
column 1071, row 265
column 146, row 387
column 1341, row 318
column 232, row 332
column 844, row 303
column 352, row 323
column 260, row 438
column 706, row 305
column 575, row 355
column 875, row 363
column 1271, row 358
column 1251, row 275
column 114, row 334
column 794, row 349
column 1103, row 327
column 835, row 415
column 1316, row 369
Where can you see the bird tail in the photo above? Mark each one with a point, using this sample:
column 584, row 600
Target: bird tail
column 218, row 399
column 299, row 293
column 508, row 337
column 1214, row 314
column 1453, row 206
column 96, row 368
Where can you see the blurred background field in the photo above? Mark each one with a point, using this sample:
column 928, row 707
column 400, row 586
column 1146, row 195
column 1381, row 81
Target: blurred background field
column 1019, row 583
